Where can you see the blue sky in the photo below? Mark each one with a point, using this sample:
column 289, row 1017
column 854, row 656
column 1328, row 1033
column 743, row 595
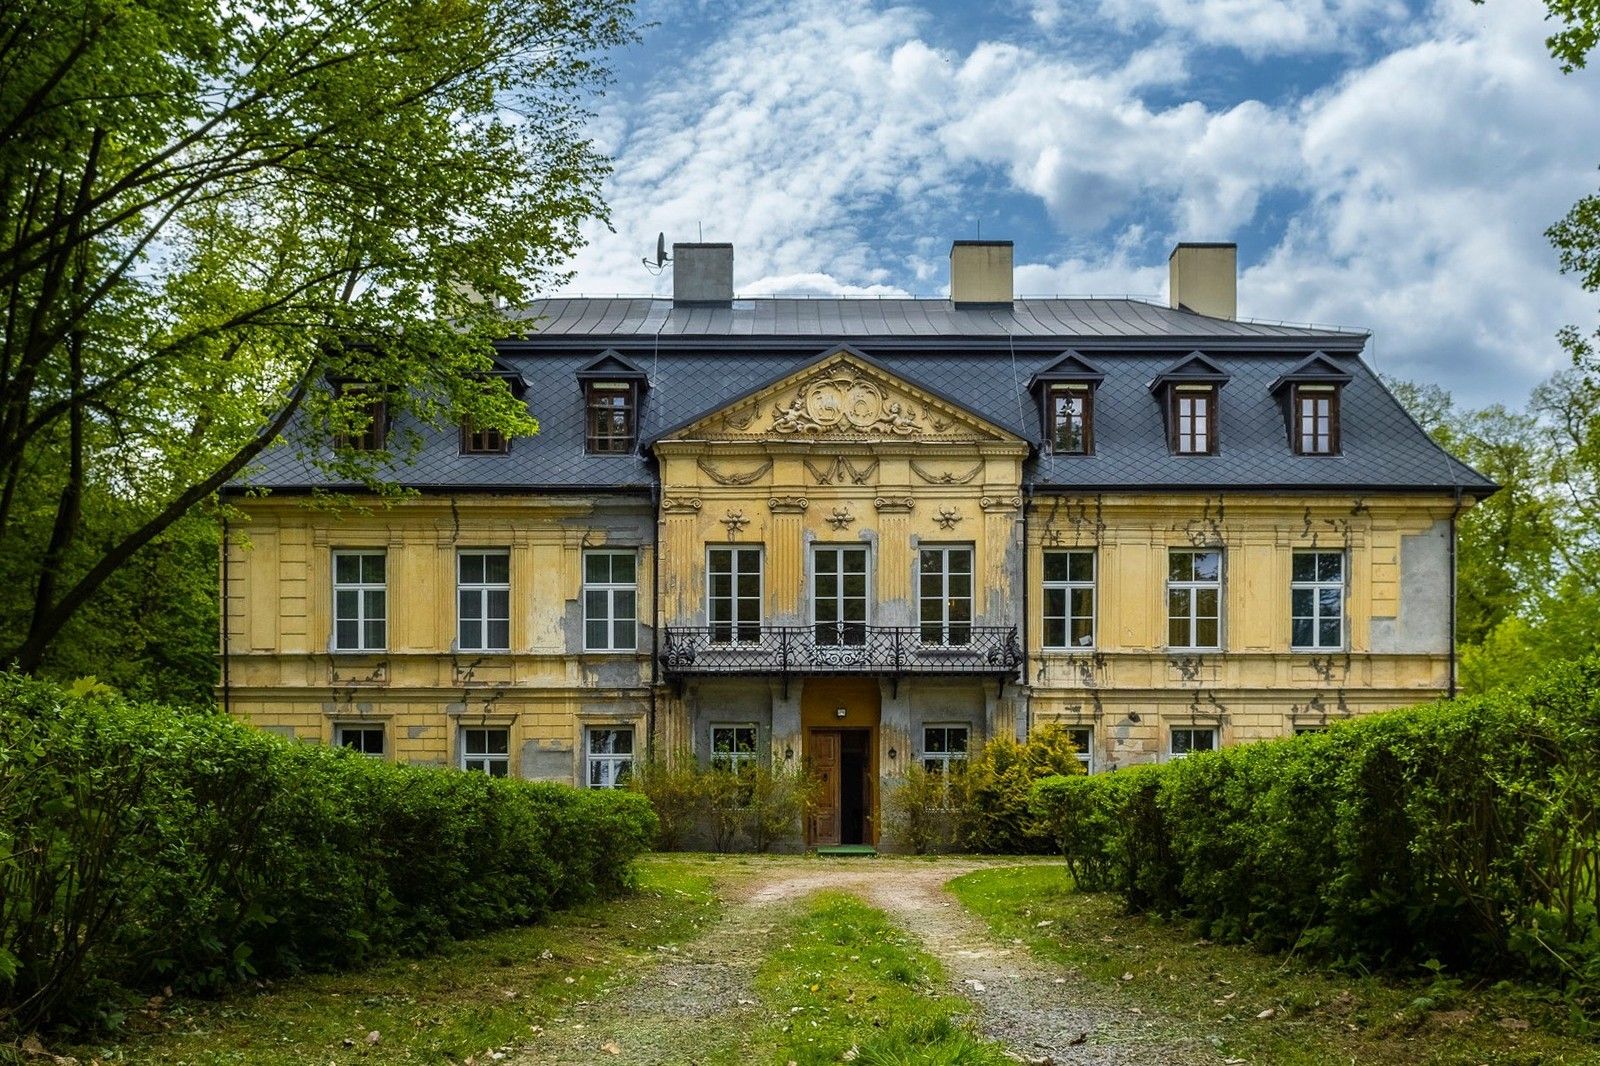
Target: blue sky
column 1381, row 165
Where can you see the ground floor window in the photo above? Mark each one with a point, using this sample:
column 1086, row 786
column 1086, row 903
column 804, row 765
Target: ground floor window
column 364, row 737
column 733, row 747
column 486, row 750
column 1187, row 739
column 1302, row 730
column 1083, row 739
column 944, row 748
column 608, row 754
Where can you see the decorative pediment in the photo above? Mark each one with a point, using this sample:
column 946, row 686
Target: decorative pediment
column 1071, row 368
column 842, row 396
column 1196, row 368
column 1314, row 369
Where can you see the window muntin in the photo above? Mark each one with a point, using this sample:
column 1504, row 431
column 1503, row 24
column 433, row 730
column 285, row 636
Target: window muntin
column 609, row 417
column 483, row 601
column 482, row 441
column 1194, row 419
column 1069, row 599
column 608, row 756
column 610, row 601
column 486, row 750
column 1316, row 419
column 839, row 595
column 360, row 601
column 1071, row 419
column 1189, row 739
column 733, row 595
column 733, row 747
column 1316, row 601
column 944, row 748
column 944, row 594
column 1194, row 599
column 1083, row 739
column 375, row 434
column 363, row 737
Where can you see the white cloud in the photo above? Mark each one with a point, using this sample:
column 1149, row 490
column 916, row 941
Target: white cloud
column 1256, row 27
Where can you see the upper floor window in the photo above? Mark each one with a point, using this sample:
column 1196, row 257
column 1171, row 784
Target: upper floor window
column 483, row 601
column 360, row 601
column 608, row 756
column 839, row 595
column 1069, row 599
column 1071, row 419
column 486, row 750
column 610, row 418
column 1316, row 601
column 1194, row 599
column 482, row 441
column 944, row 593
column 1316, row 419
column 733, row 595
column 610, row 601
column 374, row 435
column 1194, row 419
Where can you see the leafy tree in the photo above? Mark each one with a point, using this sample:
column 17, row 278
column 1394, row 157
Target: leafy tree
column 208, row 212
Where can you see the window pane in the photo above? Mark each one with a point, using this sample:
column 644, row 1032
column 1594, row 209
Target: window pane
column 1205, row 630
column 1205, row 602
column 721, row 561
column 499, row 769
column 499, row 603
column 1178, row 633
column 374, row 634
column 721, row 585
column 497, row 568
column 1302, row 602
column 469, row 604
column 595, row 605
column 345, row 603
column 1055, row 632
column 1302, row 633
column 1055, row 602
column 932, row 562
column 1331, row 635
column 622, row 604
column 957, row 739
column 626, row 638
column 960, row 561
column 1082, row 566
column 1330, row 566
column 596, row 568
column 345, row 634
column 594, row 634
column 749, row 584
column 347, row 568
column 499, row 741
column 499, row 635
column 1177, row 603
column 1329, row 599
column 622, row 568
column 471, row 633
column 933, row 740
column 372, row 567
column 1180, row 566
column 1082, row 632
column 1305, row 566
column 1057, row 566
column 1083, row 603
column 1207, row 566
column 373, row 603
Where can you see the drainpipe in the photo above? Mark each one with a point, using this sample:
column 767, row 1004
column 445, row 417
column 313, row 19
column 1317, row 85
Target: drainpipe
column 1027, row 695
column 1453, row 515
column 227, row 637
column 655, row 617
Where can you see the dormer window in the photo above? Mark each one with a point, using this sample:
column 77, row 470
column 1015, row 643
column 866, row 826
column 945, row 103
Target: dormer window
column 1309, row 395
column 1071, row 419
column 1189, row 391
column 1065, row 391
column 482, row 441
column 1194, row 419
column 610, row 421
column 1316, row 414
column 375, row 435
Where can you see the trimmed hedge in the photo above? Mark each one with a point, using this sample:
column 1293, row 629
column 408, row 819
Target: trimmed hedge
column 1464, row 831
column 144, row 845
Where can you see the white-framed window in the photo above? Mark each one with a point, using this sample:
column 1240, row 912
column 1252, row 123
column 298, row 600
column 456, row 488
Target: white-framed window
column 360, row 601
column 1307, row 730
column 610, row 601
column 1316, row 419
column 1187, row 739
column 733, row 747
column 486, row 750
column 364, row 737
column 483, row 600
column 1194, row 599
column 839, row 595
column 1316, row 601
column 733, row 594
column 1194, row 415
column 1083, row 739
column 608, row 755
column 944, row 593
column 1069, row 599
column 944, row 748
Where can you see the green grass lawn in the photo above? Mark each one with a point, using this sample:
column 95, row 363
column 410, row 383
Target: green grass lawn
column 476, row 996
column 843, row 984
column 1262, row 1008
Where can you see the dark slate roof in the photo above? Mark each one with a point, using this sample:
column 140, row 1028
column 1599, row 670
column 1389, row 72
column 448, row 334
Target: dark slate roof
column 1384, row 449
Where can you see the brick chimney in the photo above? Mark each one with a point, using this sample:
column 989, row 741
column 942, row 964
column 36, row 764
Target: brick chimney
column 1204, row 278
column 980, row 273
column 702, row 274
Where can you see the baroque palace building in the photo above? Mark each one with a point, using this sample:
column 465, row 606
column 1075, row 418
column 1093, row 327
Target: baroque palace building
column 867, row 534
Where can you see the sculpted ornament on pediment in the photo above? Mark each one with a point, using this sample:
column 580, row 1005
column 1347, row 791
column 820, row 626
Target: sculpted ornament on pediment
column 842, row 400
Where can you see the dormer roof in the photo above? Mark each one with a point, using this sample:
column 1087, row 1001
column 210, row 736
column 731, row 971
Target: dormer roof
column 611, row 365
column 1071, row 368
column 1314, row 369
column 1196, row 368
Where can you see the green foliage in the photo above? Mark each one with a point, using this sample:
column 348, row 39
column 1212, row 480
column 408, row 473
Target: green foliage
column 993, row 790
column 145, row 845
column 760, row 807
column 919, row 812
column 1465, row 831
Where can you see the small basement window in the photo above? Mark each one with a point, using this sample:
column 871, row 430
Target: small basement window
column 1083, row 739
column 486, row 750
column 1189, row 739
column 610, row 424
column 365, row 738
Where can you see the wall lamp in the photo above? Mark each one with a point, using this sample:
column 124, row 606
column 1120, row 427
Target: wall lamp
column 840, row 712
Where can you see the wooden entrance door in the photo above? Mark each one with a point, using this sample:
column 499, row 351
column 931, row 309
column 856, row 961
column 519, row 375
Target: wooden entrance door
column 824, row 828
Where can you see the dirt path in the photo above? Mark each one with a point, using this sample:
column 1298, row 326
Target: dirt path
column 700, row 995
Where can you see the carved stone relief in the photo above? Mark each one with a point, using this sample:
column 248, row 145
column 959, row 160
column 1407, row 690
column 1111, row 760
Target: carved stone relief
column 842, row 400
column 946, row 477
column 724, row 477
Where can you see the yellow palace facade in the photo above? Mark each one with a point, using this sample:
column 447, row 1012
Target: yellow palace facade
column 866, row 534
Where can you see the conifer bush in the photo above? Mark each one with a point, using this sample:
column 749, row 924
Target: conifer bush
column 145, row 845
column 1463, row 831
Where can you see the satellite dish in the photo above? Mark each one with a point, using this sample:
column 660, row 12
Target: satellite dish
column 656, row 265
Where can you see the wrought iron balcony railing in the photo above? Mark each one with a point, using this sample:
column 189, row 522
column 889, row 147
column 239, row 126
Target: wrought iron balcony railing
column 847, row 648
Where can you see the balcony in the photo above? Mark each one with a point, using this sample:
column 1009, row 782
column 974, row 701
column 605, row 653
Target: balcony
column 851, row 648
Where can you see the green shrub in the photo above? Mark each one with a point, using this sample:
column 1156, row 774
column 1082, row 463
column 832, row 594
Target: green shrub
column 1463, row 831
column 920, row 812
column 761, row 806
column 992, row 790
column 143, row 845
